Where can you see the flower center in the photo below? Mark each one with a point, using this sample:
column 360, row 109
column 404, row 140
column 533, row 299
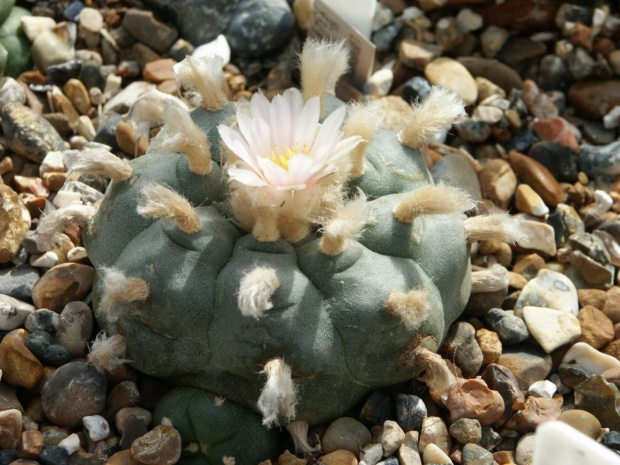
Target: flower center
column 281, row 156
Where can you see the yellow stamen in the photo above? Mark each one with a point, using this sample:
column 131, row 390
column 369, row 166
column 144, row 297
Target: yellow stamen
column 281, row 156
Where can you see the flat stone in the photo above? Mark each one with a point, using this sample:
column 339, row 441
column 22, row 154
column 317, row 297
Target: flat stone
column 549, row 289
column 538, row 102
column 528, row 201
column 34, row 25
column 525, row 449
column 591, row 359
column 394, row 112
column 160, row 446
column 538, row 177
column 391, row 438
column 434, row 432
column 594, row 297
column 583, row 421
column 466, row 431
column 594, row 99
column 519, row 49
column 471, row 398
column 339, row 457
column 13, row 312
column 416, row 54
column 73, row 391
column 451, row 74
column 473, row 130
column 455, row 170
column 122, row 101
column 143, row 26
column 493, row 70
column 511, row 329
column 476, row 455
column 461, row 347
column 48, row 49
column 160, row 70
column 592, row 273
column 537, row 410
column 601, row 398
column 520, row 15
column 556, row 130
column 558, row 159
column 600, row 160
column 527, row 362
column 434, row 455
column 91, row 20
column 78, row 95
column 63, row 284
column 551, row 328
column 596, row 328
column 346, row 434
column 408, row 453
column 30, row 135
column 498, row 181
column 10, row 428
column 370, row 454
column 18, row 365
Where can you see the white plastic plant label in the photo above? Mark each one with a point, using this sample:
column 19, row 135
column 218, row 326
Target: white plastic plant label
column 329, row 24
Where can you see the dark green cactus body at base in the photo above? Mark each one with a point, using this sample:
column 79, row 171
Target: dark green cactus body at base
column 329, row 320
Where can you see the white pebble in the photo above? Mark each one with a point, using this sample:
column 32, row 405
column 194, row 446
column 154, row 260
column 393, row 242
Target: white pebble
column 34, row 25
column 52, row 163
column 543, row 388
column 551, row 328
column 610, row 120
column 76, row 254
column 218, row 46
column 468, row 20
column 433, row 454
column 591, row 359
column 603, row 199
column 411, row 13
column 487, row 114
column 379, row 83
column 97, row 427
column 46, row 260
column 67, row 198
column 71, row 443
column 525, row 449
column 371, row 454
column 383, row 17
column 549, row 289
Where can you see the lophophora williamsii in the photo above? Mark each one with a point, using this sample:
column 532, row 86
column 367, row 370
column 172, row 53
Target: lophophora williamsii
column 277, row 259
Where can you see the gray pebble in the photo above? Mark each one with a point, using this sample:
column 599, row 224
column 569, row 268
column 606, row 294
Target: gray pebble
column 476, row 455
column 378, row 408
column 28, row 133
column 410, row 412
column 600, row 160
column 60, row 74
column 13, row 312
column 384, row 38
column 43, row 346
column 462, row 347
column 72, row 392
column 132, row 422
column 347, row 434
column 48, row 49
column 143, row 26
column 466, row 430
column 43, row 320
column 510, row 328
column 260, row 27
column 456, row 171
column 490, row 438
column 75, row 327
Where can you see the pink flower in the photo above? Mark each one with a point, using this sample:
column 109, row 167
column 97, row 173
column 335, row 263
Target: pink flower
column 283, row 145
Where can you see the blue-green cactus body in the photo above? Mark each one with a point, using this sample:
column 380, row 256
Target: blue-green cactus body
column 329, row 320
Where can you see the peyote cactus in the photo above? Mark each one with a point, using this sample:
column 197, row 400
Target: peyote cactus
column 14, row 45
column 265, row 259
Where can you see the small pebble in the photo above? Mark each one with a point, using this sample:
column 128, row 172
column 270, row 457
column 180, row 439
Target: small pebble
column 160, row 446
column 97, row 427
column 434, row 431
column 10, row 428
column 542, row 388
column 582, row 421
column 476, row 455
column 346, row 434
column 551, row 328
column 70, row 444
column 434, row 455
column 466, row 430
column 392, row 437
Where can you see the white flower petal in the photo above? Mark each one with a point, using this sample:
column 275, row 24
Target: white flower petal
column 260, row 106
column 247, row 177
column 245, row 126
column 299, row 168
column 307, row 123
column 296, row 104
column 345, row 147
column 280, row 121
column 236, row 143
column 262, row 130
column 329, row 129
column 272, row 173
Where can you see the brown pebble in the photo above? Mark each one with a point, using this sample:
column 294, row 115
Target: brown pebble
column 76, row 91
column 612, row 304
column 10, row 428
column 471, row 398
column 490, row 344
column 160, row 446
column 34, row 185
column 62, row 284
column 125, row 138
column 556, row 130
column 14, row 223
column 498, row 181
column 122, row 458
column 582, row 421
column 19, row 366
column 537, row 410
column 596, row 328
column 339, row 457
column 539, row 103
column 594, row 99
column 158, row 71
column 593, row 297
column 31, row 444
column 54, row 181
column 538, row 177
